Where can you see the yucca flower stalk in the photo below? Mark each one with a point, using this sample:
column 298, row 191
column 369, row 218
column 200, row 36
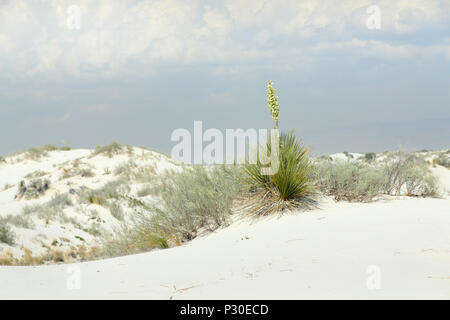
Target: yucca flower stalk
column 272, row 101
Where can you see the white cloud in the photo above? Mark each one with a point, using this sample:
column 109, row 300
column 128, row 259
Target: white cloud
column 118, row 38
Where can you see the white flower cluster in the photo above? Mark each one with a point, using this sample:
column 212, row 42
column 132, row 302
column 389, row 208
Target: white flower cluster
column 272, row 100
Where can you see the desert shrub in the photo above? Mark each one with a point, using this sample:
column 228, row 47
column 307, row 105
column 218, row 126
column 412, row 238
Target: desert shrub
column 112, row 149
column 399, row 174
column 18, row 220
column 409, row 174
column 2, row 159
column 370, row 156
column 195, row 198
column 145, row 191
column 348, row 180
column 348, row 155
column 132, row 171
column 6, row 234
column 116, row 211
column 289, row 188
column 191, row 200
column 60, row 201
column 78, row 169
column 443, row 160
column 115, row 189
column 34, row 153
column 52, row 210
column 36, row 174
column 33, row 190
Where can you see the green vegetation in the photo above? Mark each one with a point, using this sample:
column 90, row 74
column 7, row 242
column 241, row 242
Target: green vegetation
column 290, row 187
column 399, row 174
column 192, row 200
column 18, row 220
column 33, row 190
column 35, row 154
column 370, row 156
column 112, row 190
column 443, row 160
column 6, row 235
column 78, row 168
column 112, row 149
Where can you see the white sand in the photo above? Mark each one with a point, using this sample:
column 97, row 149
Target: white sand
column 17, row 167
column 320, row 254
column 331, row 252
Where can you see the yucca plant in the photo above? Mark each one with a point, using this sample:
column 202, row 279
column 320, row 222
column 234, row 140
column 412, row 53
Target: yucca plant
column 290, row 187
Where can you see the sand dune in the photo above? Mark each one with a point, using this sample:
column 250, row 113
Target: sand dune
column 326, row 253
column 397, row 247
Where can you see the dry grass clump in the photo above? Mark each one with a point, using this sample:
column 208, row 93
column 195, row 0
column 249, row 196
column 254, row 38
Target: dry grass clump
column 35, row 154
column 36, row 174
column 33, row 190
column 112, row 149
column 78, row 169
column 51, row 256
column 7, row 258
column 134, row 172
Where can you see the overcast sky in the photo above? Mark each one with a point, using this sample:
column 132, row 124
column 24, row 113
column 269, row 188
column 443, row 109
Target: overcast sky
column 137, row 70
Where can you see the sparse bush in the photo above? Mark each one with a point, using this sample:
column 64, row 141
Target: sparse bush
column 37, row 153
column 132, row 171
column 116, row 211
column 60, row 201
column 36, row 174
column 112, row 190
column 18, row 220
column 6, row 234
column 348, row 180
column 408, row 173
column 33, row 190
column 145, row 191
column 443, row 160
column 370, row 156
column 112, row 149
column 78, row 169
column 52, row 210
column 399, row 174
column 348, row 155
column 194, row 199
